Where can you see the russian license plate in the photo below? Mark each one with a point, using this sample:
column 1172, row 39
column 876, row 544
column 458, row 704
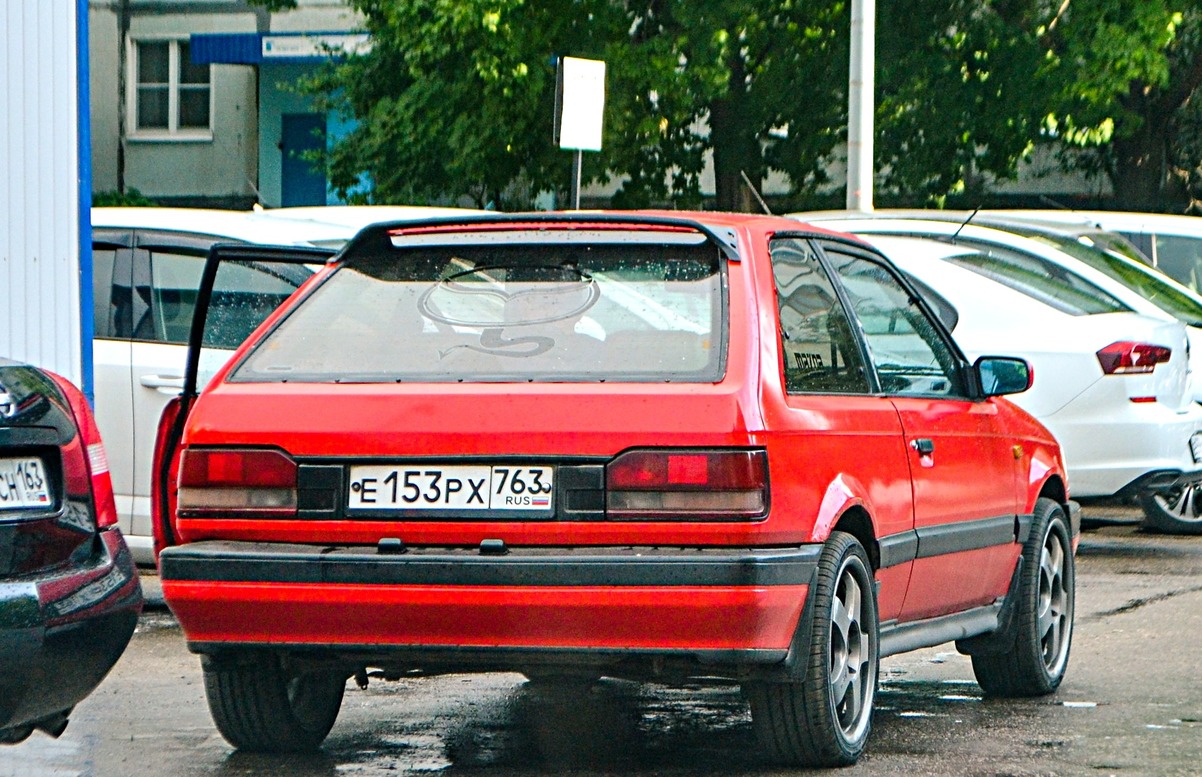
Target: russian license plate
column 438, row 487
column 23, row 484
column 1195, row 446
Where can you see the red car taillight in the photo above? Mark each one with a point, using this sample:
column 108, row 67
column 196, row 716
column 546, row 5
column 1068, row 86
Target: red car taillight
column 1127, row 358
column 687, row 485
column 97, row 460
column 236, row 483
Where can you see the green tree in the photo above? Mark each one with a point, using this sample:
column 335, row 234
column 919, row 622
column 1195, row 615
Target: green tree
column 1136, row 66
column 455, row 97
column 961, row 89
column 970, row 87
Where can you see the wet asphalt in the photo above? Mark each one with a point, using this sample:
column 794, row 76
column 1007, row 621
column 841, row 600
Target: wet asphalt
column 1130, row 704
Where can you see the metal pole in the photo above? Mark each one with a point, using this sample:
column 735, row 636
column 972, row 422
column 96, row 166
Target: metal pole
column 860, row 109
column 577, row 161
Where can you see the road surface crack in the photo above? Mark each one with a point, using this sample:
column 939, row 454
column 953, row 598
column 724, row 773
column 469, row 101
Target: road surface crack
column 1134, row 604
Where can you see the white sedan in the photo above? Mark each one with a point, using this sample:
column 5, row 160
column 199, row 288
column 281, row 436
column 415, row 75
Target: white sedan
column 1039, row 256
column 146, row 269
column 1110, row 383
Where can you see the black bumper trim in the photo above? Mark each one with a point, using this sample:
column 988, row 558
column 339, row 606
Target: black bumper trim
column 1160, row 481
column 942, row 539
column 460, row 658
column 248, row 562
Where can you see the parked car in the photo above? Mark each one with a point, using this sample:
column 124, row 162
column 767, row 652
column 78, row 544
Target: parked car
column 146, row 267
column 1167, row 484
column 670, row 447
column 69, row 591
column 1114, row 256
column 1119, row 426
column 1048, row 248
column 1171, row 492
column 1172, row 243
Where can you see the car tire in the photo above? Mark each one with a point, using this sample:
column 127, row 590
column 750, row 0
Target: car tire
column 261, row 706
column 1036, row 662
column 1178, row 511
column 824, row 718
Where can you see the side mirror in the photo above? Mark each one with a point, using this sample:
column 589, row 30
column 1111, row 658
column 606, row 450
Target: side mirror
column 998, row 375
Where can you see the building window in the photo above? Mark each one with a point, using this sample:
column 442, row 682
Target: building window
column 172, row 96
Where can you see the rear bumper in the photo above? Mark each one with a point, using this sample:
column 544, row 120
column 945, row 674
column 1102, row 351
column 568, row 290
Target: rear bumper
column 1107, row 453
column 443, row 608
column 1161, row 482
column 62, row 632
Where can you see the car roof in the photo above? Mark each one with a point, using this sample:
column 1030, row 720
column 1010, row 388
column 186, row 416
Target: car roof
column 1122, row 221
column 328, row 225
column 990, row 233
column 247, row 226
column 359, row 216
column 968, row 291
column 720, row 227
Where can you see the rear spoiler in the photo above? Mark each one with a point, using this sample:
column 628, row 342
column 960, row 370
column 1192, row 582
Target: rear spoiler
column 377, row 237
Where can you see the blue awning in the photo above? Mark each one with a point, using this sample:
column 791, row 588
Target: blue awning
column 255, row 48
column 227, row 49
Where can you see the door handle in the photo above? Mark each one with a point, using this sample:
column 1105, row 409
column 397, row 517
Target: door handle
column 162, row 381
column 923, row 445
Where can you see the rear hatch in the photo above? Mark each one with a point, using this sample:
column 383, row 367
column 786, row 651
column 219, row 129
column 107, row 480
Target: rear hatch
column 527, row 385
column 47, row 517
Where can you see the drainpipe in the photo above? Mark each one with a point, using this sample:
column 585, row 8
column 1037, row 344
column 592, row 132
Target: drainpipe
column 122, row 101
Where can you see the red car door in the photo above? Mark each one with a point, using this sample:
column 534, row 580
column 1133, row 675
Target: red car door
column 828, row 416
column 962, row 465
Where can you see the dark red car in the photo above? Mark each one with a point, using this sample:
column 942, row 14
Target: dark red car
column 69, row 591
column 660, row 446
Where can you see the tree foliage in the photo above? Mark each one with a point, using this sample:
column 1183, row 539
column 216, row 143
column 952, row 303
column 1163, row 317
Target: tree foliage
column 972, row 86
column 456, row 96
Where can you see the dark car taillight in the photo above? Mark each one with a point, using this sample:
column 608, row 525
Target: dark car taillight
column 670, row 484
column 236, row 483
column 97, row 460
column 1127, row 358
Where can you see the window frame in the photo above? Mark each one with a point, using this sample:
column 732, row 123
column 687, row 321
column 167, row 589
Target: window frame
column 173, row 132
column 721, row 332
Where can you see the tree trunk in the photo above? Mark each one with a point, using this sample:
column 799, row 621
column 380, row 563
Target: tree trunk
column 1142, row 176
column 735, row 145
column 1145, row 176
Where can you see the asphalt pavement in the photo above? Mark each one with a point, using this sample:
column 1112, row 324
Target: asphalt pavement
column 1131, row 704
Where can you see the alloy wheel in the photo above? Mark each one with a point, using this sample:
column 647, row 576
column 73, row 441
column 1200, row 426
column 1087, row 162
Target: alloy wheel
column 1183, row 503
column 852, row 681
column 1055, row 617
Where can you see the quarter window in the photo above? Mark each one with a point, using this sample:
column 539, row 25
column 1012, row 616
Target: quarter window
column 820, row 351
column 172, row 95
column 910, row 356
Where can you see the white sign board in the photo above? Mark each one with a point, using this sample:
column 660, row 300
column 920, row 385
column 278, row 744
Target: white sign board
column 583, row 103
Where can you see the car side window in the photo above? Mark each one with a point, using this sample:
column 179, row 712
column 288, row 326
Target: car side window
column 908, row 351
column 112, row 285
column 821, row 354
column 174, row 279
column 104, row 292
column 243, row 295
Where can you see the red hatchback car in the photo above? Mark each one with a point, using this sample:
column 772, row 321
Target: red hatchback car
column 659, row 446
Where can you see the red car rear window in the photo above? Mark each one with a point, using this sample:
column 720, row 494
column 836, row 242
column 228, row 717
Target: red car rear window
column 619, row 309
